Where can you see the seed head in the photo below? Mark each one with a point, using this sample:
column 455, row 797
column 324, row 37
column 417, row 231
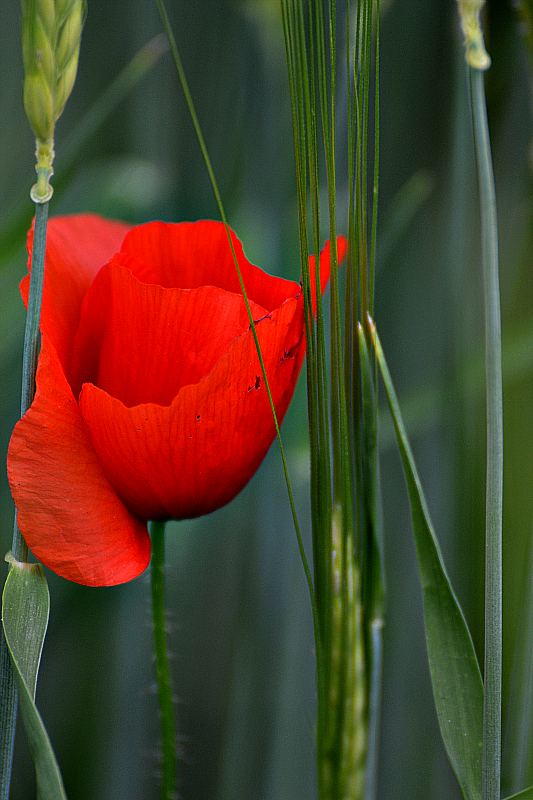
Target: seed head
column 51, row 33
column 469, row 13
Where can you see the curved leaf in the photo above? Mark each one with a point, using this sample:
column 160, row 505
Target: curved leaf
column 525, row 794
column 25, row 609
column 454, row 668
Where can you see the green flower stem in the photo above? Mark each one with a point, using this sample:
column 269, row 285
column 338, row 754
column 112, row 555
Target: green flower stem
column 8, row 690
column 494, row 487
column 162, row 664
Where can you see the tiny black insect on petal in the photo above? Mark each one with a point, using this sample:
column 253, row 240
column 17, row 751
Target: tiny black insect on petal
column 256, row 385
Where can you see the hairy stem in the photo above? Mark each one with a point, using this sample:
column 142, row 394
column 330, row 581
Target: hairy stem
column 162, row 664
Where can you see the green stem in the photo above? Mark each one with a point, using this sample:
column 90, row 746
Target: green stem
column 374, row 709
column 162, row 664
column 31, row 340
column 494, row 488
column 8, row 690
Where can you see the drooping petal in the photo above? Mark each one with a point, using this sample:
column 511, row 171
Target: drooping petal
column 193, row 254
column 141, row 342
column 194, row 456
column 77, row 247
column 69, row 514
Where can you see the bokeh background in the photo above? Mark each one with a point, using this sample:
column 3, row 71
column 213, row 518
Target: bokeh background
column 238, row 612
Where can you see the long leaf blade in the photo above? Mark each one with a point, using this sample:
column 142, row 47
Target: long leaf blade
column 25, row 609
column 525, row 794
column 454, row 668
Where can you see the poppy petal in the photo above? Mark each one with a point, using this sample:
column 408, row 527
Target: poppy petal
column 193, row 254
column 195, row 455
column 325, row 266
column 77, row 247
column 142, row 342
column 68, row 512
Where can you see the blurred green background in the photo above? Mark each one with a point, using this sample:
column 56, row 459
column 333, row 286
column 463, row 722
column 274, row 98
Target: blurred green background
column 238, row 612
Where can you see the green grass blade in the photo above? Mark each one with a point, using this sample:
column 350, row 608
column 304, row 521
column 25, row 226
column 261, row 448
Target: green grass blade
column 372, row 562
column 25, row 609
column 525, row 794
column 373, row 586
column 455, row 674
column 494, row 477
column 402, row 210
column 8, row 711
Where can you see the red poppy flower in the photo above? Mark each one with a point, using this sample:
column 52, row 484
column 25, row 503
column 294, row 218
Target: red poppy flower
column 150, row 400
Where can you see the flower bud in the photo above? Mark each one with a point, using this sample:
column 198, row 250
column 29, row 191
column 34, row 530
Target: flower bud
column 469, row 12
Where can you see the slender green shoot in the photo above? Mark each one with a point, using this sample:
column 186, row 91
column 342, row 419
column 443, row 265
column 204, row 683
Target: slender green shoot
column 494, row 477
column 162, row 664
column 375, row 185
column 374, row 708
column 31, row 339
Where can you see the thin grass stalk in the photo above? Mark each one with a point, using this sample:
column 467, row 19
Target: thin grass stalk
column 374, row 543
column 494, row 475
column 352, row 299
column 322, row 534
column 301, row 184
column 363, row 90
column 357, row 239
column 218, row 199
column 294, row 35
column 360, row 205
column 322, row 531
column 347, row 675
column 375, row 185
column 374, row 709
column 312, row 59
